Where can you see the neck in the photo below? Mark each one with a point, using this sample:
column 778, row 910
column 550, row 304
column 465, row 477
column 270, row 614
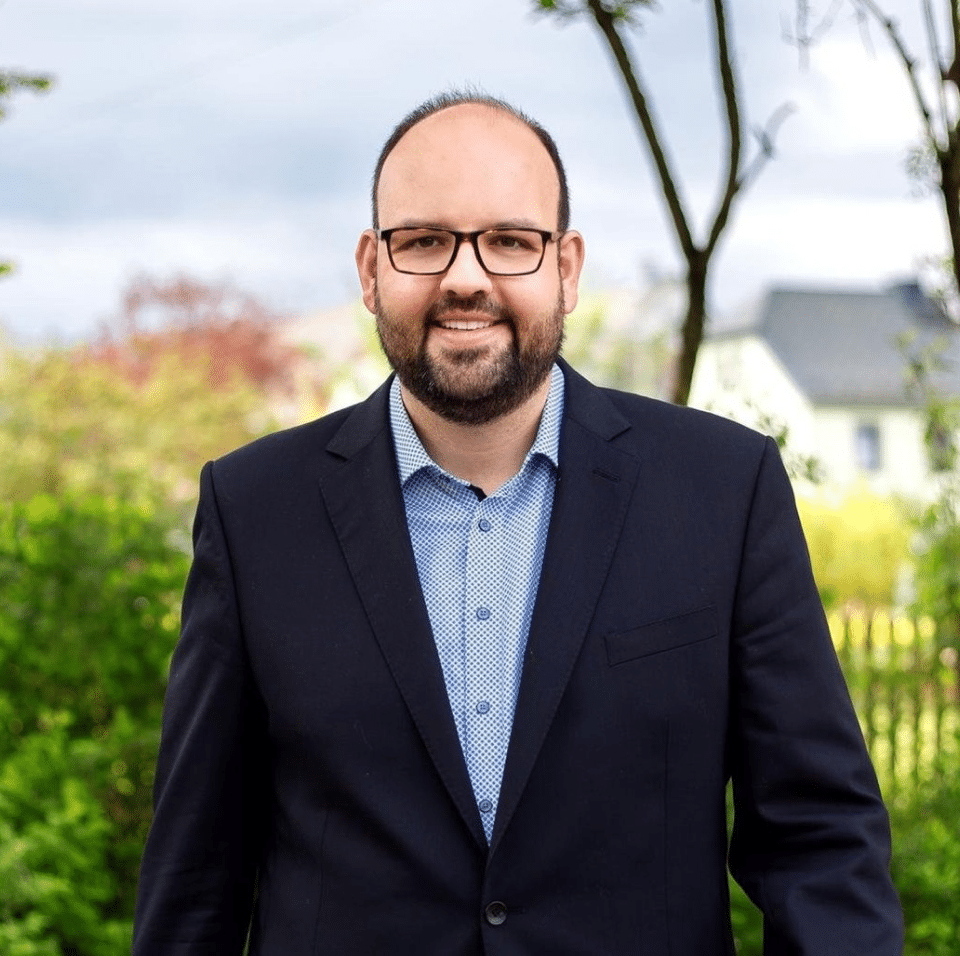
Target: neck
column 485, row 455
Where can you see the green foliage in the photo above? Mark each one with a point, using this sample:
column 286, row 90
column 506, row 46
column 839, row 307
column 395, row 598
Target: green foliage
column 937, row 561
column 100, row 447
column 926, row 862
column 12, row 81
column 747, row 922
column 937, row 542
column 55, row 834
column 91, row 587
column 625, row 10
column 72, row 424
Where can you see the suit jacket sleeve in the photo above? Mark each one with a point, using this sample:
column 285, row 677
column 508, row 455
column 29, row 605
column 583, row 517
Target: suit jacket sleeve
column 198, row 872
column 811, row 838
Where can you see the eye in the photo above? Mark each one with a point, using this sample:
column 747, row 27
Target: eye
column 419, row 240
column 512, row 241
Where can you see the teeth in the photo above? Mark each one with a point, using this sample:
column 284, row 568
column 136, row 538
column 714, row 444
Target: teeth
column 464, row 326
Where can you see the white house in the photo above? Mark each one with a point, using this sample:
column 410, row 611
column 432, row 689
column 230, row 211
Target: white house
column 829, row 366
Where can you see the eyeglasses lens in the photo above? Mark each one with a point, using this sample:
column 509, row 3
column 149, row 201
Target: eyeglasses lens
column 502, row 251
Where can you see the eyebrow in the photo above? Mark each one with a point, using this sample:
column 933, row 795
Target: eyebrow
column 521, row 223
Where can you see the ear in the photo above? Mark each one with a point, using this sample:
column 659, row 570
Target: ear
column 366, row 256
column 571, row 262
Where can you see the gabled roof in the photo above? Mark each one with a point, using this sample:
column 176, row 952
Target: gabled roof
column 840, row 347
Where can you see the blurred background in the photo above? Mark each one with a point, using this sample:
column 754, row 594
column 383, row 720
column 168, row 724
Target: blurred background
column 181, row 190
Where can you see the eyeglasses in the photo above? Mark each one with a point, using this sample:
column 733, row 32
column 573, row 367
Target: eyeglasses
column 502, row 252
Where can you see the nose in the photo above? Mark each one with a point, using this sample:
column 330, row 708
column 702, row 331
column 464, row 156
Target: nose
column 465, row 275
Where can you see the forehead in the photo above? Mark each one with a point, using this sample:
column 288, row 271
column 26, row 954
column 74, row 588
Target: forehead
column 469, row 166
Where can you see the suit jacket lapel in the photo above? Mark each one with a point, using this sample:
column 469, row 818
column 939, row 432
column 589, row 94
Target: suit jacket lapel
column 365, row 505
column 595, row 483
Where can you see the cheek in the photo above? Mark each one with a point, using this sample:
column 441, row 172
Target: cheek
column 404, row 297
column 535, row 301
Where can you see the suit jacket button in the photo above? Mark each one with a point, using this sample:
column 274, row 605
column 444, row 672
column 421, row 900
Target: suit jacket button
column 496, row 913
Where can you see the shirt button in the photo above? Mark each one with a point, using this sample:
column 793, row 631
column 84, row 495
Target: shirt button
column 483, row 613
column 483, row 707
column 485, row 806
column 495, row 913
column 484, row 525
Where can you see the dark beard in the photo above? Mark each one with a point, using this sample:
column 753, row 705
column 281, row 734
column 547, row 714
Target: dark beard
column 514, row 377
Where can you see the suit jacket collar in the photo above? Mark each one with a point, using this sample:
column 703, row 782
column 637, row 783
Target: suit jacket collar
column 365, row 505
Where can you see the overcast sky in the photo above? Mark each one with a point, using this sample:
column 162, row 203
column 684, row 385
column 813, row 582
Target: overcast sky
column 234, row 139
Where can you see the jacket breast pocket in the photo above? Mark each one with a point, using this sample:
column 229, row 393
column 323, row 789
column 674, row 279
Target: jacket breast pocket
column 658, row 636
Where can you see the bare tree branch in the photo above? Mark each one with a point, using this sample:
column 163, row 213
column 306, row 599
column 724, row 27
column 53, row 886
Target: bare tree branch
column 731, row 104
column 766, row 143
column 634, row 82
column 936, row 60
column 909, row 64
column 804, row 36
column 609, row 15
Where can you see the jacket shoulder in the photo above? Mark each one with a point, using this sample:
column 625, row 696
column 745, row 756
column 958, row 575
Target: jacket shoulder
column 302, row 453
column 658, row 424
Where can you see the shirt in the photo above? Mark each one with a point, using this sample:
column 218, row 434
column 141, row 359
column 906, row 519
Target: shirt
column 479, row 564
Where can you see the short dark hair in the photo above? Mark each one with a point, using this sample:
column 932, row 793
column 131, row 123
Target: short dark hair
column 444, row 101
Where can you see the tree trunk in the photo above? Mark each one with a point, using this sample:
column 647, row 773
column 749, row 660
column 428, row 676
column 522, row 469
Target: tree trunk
column 693, row 326
column 949, row 162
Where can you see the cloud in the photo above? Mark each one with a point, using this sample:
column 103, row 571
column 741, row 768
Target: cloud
column 236, row 138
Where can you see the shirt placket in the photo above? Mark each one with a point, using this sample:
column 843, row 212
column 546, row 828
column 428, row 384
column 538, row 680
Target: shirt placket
column 485, row 705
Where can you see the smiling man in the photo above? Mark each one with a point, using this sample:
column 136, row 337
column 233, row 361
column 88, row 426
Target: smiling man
column 465, row 669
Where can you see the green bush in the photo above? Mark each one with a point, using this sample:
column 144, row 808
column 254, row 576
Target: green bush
column 926, row 862
column 747, row 923
column 91, row 588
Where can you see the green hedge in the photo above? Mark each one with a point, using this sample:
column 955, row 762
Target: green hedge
column 91, row 589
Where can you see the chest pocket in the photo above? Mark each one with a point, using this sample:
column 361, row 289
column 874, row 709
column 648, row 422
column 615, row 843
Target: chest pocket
column 658, row 636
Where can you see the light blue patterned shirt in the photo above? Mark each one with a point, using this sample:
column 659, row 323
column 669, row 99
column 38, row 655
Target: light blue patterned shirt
column 479, row 565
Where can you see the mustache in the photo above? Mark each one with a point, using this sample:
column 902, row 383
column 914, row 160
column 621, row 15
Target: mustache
column 474, row 303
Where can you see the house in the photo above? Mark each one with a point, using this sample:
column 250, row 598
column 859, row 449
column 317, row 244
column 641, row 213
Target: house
column 830, row 366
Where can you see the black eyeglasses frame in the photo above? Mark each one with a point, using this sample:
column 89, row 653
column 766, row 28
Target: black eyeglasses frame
column 473, row 238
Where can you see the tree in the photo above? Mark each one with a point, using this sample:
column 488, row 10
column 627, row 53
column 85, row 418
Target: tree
column 611, row 17
column 12, row 81
column 187, row 372
column 935, row 86
column 100, row 446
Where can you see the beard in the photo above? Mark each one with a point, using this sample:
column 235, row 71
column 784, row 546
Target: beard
column 472, row 386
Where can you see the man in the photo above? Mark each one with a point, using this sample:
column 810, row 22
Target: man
column 465, row 669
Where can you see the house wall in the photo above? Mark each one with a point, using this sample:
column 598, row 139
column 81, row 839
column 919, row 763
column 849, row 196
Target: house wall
column 742, row 379
column 903, row 465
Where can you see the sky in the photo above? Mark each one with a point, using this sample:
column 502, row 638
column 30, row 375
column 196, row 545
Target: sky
column 233, row 140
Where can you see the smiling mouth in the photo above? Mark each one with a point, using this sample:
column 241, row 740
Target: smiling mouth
column 466, row 325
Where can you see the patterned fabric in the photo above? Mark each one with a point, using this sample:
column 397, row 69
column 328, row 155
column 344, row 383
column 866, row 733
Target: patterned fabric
column 479, row 564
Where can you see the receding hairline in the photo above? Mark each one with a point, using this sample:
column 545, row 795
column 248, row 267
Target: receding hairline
column 447, row 101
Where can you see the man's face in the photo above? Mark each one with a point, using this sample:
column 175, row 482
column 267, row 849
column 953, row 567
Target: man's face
column 469, row 345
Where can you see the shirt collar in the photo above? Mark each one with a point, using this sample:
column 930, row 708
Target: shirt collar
column 412, row 456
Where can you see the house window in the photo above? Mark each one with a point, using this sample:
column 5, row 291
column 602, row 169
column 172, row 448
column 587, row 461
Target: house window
column 867, row 447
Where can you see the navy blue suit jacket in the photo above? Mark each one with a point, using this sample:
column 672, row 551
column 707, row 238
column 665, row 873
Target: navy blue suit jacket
column 310, row 778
